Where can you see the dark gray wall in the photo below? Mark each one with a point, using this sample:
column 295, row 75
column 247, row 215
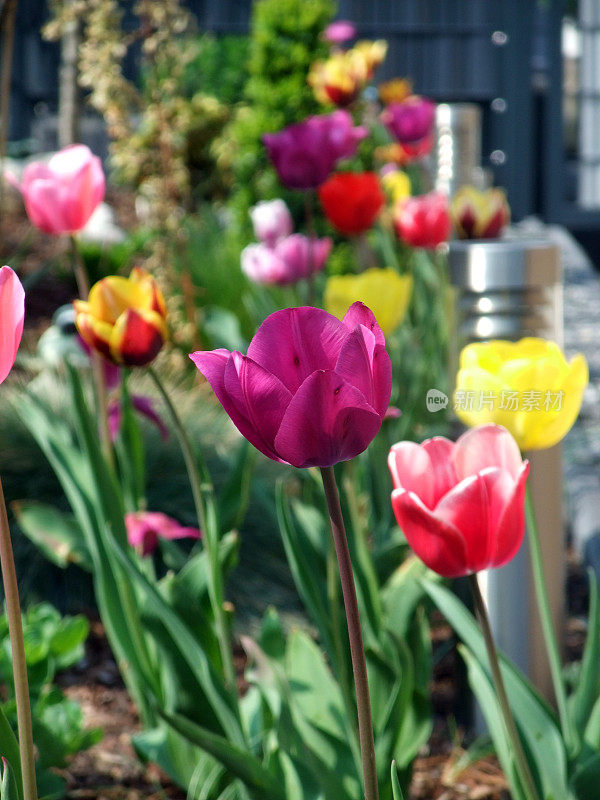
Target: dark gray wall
column 470, row 50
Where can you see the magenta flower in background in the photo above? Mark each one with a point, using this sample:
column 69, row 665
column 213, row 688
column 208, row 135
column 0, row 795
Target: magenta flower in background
column 145, row 408
column 145, row 528
column 291, row 259
column 271, row 221
column 312, row 391
column 411, row 120
column 340, row 31
column 12, row 316
column 306, row 153
column 61, row 196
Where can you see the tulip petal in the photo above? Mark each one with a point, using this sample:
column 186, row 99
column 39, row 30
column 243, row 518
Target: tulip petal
column 486, row 446
column 436, row 542
column 295, row 342
column 365, row 364
column 213, row 364
column 511, row 524
column 95, row 333
column 411, row 470
column 12, row 314
column 440, row 450
column 137, row 337
column 467, row 508
column 326, row 422
column 360, row 314
column 258, row 396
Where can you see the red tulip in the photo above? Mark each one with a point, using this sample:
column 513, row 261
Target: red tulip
column 62, row 195
column 352, row 200
column 461, row 505
column 312, row 390
column 423, row 221
column 12, row 313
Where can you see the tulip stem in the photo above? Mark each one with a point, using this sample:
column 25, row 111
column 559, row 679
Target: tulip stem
column 548, row 631
column 525, row 776
column 309, row 218
column 15, row 628
column 83, row 288
column 357, row 650
column 201, row 485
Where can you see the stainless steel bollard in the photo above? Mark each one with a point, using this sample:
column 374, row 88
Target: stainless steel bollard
column 508, row 289
column 457, row 151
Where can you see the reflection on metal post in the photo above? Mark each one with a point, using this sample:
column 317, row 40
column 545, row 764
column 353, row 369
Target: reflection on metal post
column 508, row 289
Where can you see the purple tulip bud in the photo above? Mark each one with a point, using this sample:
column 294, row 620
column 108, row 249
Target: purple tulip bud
column 312, row 391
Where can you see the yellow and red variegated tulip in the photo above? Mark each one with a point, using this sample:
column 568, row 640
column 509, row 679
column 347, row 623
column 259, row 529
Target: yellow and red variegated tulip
column 124, row 318
column 374, row 54
column 340, row 79
column 479, row 214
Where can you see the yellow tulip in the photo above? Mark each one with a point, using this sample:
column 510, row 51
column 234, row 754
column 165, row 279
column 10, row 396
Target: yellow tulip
column 527, row 386
column 395, row 90
column 124, row 318
column 397, row 184
column 385, row 292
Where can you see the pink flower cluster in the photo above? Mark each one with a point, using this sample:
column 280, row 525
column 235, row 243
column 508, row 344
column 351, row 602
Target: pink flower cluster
column 281, row 257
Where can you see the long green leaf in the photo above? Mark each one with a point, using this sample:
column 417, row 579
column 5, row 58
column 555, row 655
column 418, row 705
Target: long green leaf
column 58, row 535
column 537, row 724
column 188, row 650
column 9, row 748
column 587, row 692
column 397, row 791
column 8, row 785
column 483, row 689
column 236, row 759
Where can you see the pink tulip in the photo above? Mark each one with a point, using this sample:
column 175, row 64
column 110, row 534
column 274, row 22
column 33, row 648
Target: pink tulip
column 340, row 31
column 61, row 196
column 145, row 528
column 12, row 315
column 460, row 504
column 312, row 390
column 271, row 221
column 424, row 220
column 411, row 120
column 305, row 154
column 291, row 259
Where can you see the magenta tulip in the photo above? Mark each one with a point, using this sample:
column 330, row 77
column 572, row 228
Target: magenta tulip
column 144, row 407
column 461, row 505
column 291, row 259
column 312, row 390
column 305, row 154
column 411, row 120
column 145, row 528
column 12, row 315
column 271, row 221
column 61, row 196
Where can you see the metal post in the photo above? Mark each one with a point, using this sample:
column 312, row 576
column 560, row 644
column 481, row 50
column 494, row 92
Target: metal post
column 508, row 289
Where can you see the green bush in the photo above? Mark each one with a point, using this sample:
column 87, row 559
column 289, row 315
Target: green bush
column 285, row 40
column 52, row 643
